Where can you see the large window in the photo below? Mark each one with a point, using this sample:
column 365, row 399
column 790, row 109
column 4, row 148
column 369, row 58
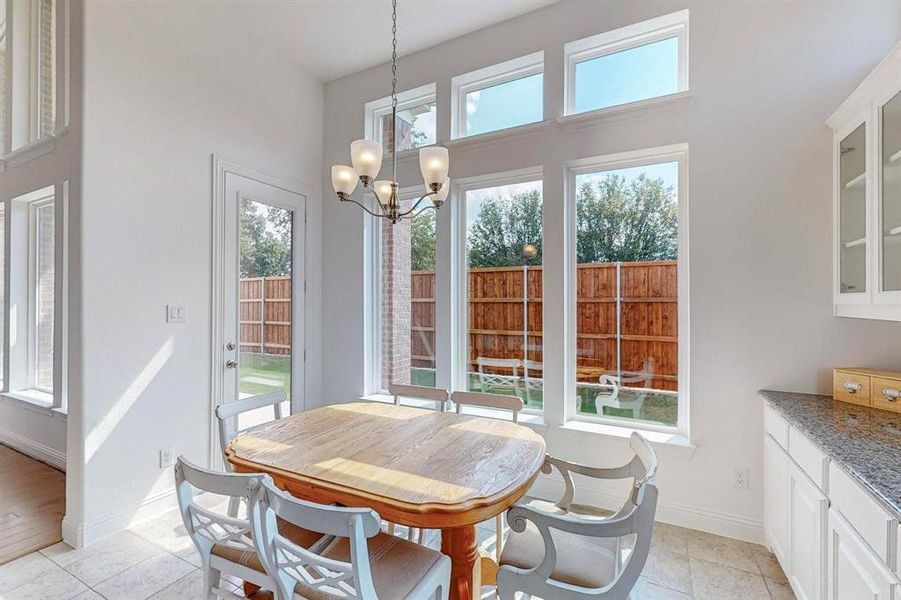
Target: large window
column 42, row 299
column 415, row 125
column 499, row 97
column 638, row 62
column 626, row 289
column 503, row 339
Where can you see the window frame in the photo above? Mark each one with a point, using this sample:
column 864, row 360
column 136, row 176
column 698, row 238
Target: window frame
column 459, row 265
column 677, row 153
column 622, row 39
column 33, row 283
column 376, row 109
column 493, row 75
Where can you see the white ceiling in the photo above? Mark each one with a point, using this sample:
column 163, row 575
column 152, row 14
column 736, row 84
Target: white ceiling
column 333, row 38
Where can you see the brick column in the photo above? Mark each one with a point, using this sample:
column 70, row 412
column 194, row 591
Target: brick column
column 396, row 317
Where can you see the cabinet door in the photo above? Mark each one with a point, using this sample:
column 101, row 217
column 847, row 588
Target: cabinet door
column 776, row 500
column 807, row 530
column 854, row 572
column 889, row 217
column 852, row 215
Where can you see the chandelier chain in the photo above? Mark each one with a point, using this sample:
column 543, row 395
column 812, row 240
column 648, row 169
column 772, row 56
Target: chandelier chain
column 394, row 89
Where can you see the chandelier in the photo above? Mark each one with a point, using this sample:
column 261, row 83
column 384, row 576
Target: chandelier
column 366, row 158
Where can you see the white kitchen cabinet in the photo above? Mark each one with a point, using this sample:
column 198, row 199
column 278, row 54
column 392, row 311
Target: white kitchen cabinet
column 854, row 572
column 867, row 196
column 808, row 510
column 776, row 497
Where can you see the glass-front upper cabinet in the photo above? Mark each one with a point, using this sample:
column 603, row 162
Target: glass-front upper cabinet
column 867, row 196
column 852, row 212
column 890, row 197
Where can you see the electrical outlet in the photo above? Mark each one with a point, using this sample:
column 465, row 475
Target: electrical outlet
column 740, row 476
column 176, row 313
column 166, row 459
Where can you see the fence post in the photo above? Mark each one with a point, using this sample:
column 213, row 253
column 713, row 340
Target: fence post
column 262, row 315
column 619, row 330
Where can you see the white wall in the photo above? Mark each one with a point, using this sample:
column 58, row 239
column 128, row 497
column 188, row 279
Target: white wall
column 764, row 77
column 167, row 85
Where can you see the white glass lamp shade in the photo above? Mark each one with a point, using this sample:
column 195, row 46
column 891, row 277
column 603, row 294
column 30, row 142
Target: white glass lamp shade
column 366, row 157
column 442, row 194
column 344, row 179
column 383, row 191
column 433, row 161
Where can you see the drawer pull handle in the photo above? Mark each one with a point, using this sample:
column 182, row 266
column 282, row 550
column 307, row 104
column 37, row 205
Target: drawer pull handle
column 852, row 387
column 891, row 393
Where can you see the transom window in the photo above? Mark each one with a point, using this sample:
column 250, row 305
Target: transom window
column 498, row 97
column 642, row 61
column 416, row 119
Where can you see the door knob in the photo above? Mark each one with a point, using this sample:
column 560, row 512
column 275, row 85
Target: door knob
column 231, row 364
column 230, row 346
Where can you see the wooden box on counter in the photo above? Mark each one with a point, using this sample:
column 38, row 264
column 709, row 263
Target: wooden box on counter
column 868, row 387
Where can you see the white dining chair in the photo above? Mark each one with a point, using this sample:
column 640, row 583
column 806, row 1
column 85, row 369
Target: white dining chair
column 419, row 392
column 228, row 415
column 361, row 562
column 553, row 552
column 225, row 542
column 514, row 404
column 416, row 392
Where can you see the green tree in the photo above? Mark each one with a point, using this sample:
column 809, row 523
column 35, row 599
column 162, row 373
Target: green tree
column 265, row 240
column 620, row 220
column 503, row 226
column 422, row 242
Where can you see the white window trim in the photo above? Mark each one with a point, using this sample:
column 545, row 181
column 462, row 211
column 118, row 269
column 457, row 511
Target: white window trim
column 511, row 70
column 33, row 251
column 675, row 153
column 460, row 299
column 625, row 38
column 372, row 297
column 376, row 109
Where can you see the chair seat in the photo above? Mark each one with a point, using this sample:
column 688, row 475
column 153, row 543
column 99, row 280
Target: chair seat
column 397, row 565
column 248, row 558
column 584, row 511
column 582, row 561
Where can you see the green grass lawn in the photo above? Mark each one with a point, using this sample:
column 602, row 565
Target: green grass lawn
column 261, row 373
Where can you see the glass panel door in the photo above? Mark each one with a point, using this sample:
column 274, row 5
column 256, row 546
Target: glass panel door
column 890, row 208
column 853, row 213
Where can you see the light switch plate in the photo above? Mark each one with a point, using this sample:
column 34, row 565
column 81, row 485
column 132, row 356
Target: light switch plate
column 176, row 313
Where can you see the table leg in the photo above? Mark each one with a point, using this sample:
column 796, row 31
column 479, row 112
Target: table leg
column 460, row 544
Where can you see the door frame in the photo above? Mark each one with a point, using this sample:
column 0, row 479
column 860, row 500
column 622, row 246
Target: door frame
column 223, row 166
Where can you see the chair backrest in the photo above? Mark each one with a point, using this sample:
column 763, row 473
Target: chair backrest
column 643, row 377
column 530, row 368
column 228, row 413
column 482, row 399
column 290, row 564
column 419, row 392
column 208, row 528
column 491, row 380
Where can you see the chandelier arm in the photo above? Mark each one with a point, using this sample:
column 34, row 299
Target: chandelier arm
column 416, row 205
column 364, row 207
column 423, row 209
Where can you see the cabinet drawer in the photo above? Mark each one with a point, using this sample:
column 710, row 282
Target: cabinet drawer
column 811, row 460
column 884, row 393
column 850, row 387
column 874, row 524
column 776, row 426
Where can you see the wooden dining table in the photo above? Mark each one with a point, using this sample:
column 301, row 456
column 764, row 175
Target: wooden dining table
column 415, row 467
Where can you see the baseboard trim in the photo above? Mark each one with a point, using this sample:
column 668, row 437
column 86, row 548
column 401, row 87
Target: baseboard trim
column 78, row 535
column 719, row 523
column 34, row 449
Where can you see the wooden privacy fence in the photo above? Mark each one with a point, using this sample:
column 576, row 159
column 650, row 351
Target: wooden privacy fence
column 265, row 315
column 626, row 319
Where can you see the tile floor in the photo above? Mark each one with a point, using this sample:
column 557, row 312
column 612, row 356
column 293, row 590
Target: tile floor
column 156, row 560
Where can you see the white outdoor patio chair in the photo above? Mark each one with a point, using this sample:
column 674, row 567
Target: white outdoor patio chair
column 227, row 414
column 417, row 392
column 497, row 401
column 489, row 380
column 634, row 399
column 361, row 562
column 224, row 542
column 556, row 553
column 532, row 383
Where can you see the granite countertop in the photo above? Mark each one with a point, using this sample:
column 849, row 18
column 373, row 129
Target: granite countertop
column 865, row 442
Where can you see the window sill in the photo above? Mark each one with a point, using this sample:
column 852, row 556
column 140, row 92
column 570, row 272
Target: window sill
column 499, row 137
column 36, row 401
column 624, row 112
column 674, row 443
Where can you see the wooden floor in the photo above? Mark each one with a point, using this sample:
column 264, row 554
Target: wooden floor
column 32, row 504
